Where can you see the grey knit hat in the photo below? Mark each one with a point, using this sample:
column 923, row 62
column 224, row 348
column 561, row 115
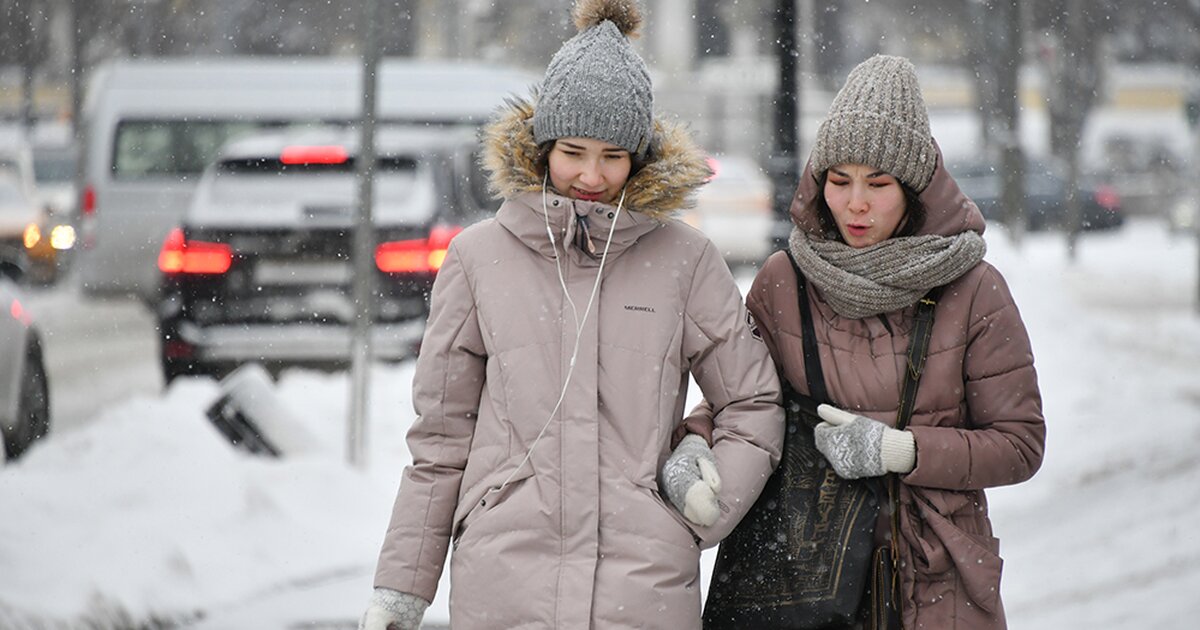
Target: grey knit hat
column 597, row 86
column 879, row 119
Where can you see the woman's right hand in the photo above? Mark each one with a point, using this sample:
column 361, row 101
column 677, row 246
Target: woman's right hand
column 393, row 610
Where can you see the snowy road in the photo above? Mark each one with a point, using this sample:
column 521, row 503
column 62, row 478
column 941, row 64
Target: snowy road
column 98, row 351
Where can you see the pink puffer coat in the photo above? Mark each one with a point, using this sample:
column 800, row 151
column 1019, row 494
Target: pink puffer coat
column 577, row 536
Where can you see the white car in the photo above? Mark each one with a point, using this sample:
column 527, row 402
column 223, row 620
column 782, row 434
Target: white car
column 18, row 210
column 28, row 226
column 24, row 388
column 734, row 210
column 54, row 166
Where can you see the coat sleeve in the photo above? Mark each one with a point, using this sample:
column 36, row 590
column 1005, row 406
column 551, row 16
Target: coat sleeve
column 738, row 380
column 447, row 386
column 700, row 419
column 1005, row 437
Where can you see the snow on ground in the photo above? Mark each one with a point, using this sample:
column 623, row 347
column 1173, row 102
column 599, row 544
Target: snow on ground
column 145, row 514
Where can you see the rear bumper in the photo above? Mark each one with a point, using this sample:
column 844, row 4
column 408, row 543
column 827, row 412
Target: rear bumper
column 297, row 343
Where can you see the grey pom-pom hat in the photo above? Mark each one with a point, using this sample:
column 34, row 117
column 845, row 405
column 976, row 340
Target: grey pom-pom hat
column 879, row 119
column 597, row 86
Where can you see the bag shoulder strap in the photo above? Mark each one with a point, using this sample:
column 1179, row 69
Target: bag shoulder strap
column 812, row 353
column 918, row 350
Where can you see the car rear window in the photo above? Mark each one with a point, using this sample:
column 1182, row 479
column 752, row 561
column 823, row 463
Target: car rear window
column 150, row 148
column 404, row 188
column 54, row 166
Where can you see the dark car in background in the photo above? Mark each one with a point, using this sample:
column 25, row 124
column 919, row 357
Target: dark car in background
column 1045, row 195
column 261, row 268
column 24, row 387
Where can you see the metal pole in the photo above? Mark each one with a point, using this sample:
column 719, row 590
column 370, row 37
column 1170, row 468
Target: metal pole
column 26, row 24
column 1075, row 48
column 1193, row 116
column 783, row 164
column 1195, row 188
column 1008, row 77
column 364, row 245
column 77, row 70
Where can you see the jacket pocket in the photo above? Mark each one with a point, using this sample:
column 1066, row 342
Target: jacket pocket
column 948, row 542
column 682, row 523
column 484, row 496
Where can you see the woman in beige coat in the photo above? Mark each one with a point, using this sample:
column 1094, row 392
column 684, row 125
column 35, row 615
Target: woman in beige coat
column 555, row 365
column 879, row 223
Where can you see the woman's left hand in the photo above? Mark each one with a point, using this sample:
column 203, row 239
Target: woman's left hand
column 857, row 446
column 691, row 481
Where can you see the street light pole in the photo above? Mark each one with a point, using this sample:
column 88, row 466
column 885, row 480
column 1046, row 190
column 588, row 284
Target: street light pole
column 783, row 165
column 364, row 244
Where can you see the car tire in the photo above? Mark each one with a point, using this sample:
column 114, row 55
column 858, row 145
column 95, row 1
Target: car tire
column 33, row 408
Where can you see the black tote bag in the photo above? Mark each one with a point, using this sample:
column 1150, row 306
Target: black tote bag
column 800, row 559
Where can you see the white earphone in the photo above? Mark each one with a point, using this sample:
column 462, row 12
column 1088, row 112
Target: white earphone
column 574, row 313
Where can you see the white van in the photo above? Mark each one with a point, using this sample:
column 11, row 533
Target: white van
column 151, row 127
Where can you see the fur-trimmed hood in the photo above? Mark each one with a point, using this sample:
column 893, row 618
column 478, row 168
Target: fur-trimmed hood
column 675, row 169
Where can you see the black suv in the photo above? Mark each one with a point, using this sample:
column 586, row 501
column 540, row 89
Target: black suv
column 261, row 268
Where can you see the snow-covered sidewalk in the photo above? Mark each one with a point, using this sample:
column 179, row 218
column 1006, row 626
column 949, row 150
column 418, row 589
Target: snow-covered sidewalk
column 147, row 514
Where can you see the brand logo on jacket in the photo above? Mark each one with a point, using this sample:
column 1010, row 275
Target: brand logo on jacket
column 754, row 330
column 640, row 309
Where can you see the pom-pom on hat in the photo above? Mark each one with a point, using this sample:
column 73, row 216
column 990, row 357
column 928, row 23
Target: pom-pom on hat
column 879, row 119
column 596, row 85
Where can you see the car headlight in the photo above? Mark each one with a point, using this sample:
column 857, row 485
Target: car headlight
column 62, row 237
column 32, row 235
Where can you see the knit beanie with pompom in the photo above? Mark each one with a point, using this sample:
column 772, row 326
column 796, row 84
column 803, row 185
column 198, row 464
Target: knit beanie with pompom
column 596, row 85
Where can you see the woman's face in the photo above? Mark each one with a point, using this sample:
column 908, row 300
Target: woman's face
column 588, row 169
column 867, row 204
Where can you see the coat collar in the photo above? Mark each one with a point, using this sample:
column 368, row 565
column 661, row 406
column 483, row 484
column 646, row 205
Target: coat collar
column 524, row 217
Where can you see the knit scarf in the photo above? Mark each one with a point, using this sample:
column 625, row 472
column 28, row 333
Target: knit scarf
column 887, row 276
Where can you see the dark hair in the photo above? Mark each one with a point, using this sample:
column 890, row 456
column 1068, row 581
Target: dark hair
column 914, row 211
column 542, row 163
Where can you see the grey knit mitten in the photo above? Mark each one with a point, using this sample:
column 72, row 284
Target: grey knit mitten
column 857, row 446
column 691, row 481
column 393, row 610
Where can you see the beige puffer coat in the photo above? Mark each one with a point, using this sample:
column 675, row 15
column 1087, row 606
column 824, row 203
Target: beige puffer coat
column 977, row 420
column 578, row 536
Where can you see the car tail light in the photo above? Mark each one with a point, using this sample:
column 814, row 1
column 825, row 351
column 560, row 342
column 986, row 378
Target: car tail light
column 417, row 255
column 179, row 255
column 176, row 349
column 87, row 203
column 19, row 313
column 319, row 154
column 1108, row 198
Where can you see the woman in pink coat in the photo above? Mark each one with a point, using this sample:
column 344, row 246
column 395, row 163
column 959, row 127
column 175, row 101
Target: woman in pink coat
column 555, row 365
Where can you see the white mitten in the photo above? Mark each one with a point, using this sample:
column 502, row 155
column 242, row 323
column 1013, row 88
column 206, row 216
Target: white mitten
column 393, row 610
column 691, row 481
column 857, row 446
